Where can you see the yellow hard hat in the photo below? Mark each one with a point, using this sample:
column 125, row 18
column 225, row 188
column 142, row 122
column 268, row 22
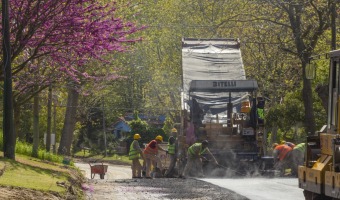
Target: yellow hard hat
column 174, row 130
column 160, row 138
column 283, row 142
column 136, row 136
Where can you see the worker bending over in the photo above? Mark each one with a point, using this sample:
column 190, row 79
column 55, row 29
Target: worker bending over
column 194, row 154
column 134, row 154
column 298, row 157
column 282, row 157
column 151, row 155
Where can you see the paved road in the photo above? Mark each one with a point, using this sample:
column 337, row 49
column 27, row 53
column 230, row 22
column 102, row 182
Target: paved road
column 262, row 188
column 113, row 171
column 252, row 188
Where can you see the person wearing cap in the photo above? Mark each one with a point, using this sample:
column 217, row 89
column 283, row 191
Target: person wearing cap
column 195, row 152
column 172, row 152
column 290, row 144
column 151, row 155
column 134, row 154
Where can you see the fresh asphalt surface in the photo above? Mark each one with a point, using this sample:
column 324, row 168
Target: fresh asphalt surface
column 252, row 188
column 262, row 188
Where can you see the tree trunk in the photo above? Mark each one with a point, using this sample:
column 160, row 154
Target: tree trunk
column 69, row 123
column 35, row 126
column 9, row 137
column 49, row 119
column 322, row 91
column 304, row 52
column 55, row 123
column 274, row 134
column 17, row 131
column 307, row 96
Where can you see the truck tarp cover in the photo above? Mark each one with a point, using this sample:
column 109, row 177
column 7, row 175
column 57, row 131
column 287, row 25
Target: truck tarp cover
column 214, row 61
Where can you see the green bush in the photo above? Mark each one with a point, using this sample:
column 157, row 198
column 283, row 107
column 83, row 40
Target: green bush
column 23, row 148
column 26, row 149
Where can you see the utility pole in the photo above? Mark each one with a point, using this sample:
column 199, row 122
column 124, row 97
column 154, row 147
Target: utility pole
column 8, row 125
column 104, row 126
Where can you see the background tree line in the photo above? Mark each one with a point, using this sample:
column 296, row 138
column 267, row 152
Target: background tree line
column 144, row 75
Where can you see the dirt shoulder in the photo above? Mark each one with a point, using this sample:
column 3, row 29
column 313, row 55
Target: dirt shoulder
column 10, row 193
column 158, row 188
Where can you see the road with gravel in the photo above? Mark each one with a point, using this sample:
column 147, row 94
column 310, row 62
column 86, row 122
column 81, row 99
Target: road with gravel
column 117, row 184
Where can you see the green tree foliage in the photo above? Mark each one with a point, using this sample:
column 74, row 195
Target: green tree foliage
column 288, row 117
column 91, row 131
column 146, row 131
column 300, row 24
column 268, row 45
column 149, row 75
column 168, row 125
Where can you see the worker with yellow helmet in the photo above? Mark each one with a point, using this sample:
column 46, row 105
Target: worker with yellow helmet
column 172, row 152
column 151, row 155
column 134, row 154
column 173, row 132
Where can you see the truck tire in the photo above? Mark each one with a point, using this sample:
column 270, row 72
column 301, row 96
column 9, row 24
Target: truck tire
column 314, row 196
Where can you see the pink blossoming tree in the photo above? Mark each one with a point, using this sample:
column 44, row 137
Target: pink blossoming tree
column 53, row 41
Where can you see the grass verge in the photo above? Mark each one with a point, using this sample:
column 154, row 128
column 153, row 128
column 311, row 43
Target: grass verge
column 32, row 173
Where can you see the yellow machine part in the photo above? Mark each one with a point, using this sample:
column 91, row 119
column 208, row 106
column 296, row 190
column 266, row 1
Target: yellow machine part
column 326, row 143
column 312, row 179
column 332, row 184
column 321, row 178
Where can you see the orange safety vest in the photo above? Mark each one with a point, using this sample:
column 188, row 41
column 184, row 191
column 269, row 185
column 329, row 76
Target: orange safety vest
column 151, row 151
column 283, row 150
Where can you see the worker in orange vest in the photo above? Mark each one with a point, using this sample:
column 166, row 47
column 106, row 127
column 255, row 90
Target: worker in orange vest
column 282, row 157
column 151, row 155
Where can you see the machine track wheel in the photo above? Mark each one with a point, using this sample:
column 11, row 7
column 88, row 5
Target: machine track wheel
column 314, row 196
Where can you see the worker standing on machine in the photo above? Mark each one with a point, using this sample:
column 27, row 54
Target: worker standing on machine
column 134, row 154
column 195, row 152
column 172, row 152
column 151, row 155
column 282, row 157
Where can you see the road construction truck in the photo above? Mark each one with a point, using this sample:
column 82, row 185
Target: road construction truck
column 221, row 105
column 320, row 174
